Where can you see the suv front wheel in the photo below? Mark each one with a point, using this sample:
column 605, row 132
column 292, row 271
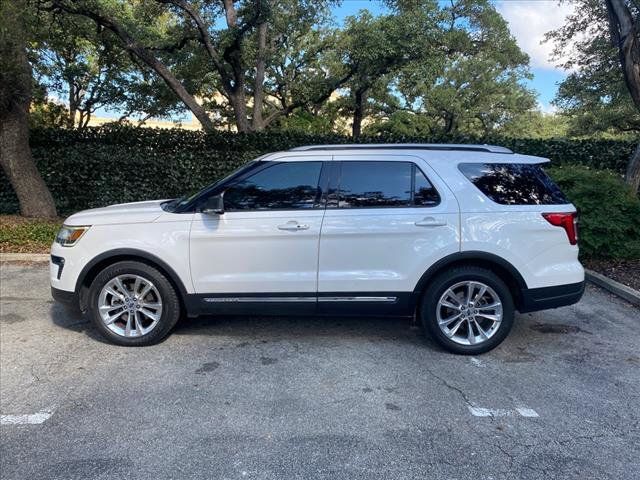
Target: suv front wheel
column 133, row 304
column 467, row 310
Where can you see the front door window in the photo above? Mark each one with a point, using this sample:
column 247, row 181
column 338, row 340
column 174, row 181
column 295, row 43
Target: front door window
column 282, row 186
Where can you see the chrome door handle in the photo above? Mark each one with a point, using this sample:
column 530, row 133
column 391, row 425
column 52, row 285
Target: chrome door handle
column 430, row 222
column 293, row 226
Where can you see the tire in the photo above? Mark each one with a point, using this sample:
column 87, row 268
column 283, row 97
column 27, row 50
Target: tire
column 153, row 316
column 486, row 332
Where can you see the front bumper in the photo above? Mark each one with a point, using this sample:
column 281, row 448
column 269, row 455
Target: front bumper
column 56, row 268
column 65, row 297
column 66, row 264
column 534, row 299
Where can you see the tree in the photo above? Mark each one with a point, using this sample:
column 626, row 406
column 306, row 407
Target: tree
column 473, row 86
column 376, row 48
column 75, row 61
column 233, row 61
column 72, row 62
column 124, row 20
column 402, row 123
column 593, row 97
column 47, row 114
column 15, row 98
column 535, row 124
column 596, row 103
column 599, row 43
column 529, row 124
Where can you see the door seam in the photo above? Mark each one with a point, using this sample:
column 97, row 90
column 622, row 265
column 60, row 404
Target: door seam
column 324, row 214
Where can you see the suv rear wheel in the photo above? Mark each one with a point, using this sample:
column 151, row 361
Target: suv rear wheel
column 133, row 304
column 467, row 310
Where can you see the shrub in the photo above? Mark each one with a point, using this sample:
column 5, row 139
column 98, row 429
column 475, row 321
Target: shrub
column 99, row 166
column 19, row 234
column 609, row 212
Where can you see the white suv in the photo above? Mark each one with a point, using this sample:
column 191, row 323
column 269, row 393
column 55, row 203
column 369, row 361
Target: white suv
column 459, row 235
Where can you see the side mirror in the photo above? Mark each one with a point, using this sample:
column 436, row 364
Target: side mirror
column 213, row 206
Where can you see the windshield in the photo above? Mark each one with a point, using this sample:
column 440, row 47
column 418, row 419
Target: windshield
column 178, row 203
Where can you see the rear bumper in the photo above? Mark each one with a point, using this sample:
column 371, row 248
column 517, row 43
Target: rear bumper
column 534, row 299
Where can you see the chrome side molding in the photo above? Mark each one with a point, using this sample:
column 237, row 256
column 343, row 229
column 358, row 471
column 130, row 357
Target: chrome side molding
column 258, row 299
column 358, row 299
column 299, row 299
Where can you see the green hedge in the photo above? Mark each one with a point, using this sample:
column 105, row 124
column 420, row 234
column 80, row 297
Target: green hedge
column 101, row 166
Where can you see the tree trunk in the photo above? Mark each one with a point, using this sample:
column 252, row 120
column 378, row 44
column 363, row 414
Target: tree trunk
column 236, row 93
column 625, row 38
column 231, row 14
column 632, row 176
column 236, row 88
column 15, row 153
column 71, row 120
column 258, row 90
column 239, row 105
column 449, row 123
column 358, row 113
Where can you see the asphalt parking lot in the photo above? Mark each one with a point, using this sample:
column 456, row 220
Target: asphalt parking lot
column 312, row 398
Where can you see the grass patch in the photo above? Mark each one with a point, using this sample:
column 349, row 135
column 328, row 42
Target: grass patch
column 27, row 235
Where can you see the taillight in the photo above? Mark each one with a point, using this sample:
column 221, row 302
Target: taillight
column 568, row 221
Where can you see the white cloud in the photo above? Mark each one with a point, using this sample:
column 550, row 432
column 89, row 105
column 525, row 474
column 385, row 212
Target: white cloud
column 547, row 108
column 529, row 21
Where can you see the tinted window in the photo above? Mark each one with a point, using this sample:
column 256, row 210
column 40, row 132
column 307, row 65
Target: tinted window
column 289, row 186
column 384, row 184
column 179, row 204
column 424, row 193
column 514, row 184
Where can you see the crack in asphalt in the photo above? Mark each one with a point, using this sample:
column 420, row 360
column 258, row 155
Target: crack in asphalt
column 581, row 437
column 452, row 387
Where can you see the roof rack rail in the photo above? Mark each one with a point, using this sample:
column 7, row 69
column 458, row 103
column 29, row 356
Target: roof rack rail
column 406, row 146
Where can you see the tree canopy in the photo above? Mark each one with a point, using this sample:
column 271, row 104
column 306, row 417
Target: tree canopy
column 255, row 63
column 594, row 96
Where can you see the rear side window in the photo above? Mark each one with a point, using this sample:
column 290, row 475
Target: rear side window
column 514, row 183
column 384, row 184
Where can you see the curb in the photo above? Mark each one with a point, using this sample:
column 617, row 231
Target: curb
column 24, row 257
column 617, row 288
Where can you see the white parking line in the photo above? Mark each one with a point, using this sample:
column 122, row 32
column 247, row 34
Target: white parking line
column 503, row 412
column 527, row 412
column 28, row 419
column 477, row 362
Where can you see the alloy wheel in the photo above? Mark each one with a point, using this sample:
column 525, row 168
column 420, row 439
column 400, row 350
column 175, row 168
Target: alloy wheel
column 130, row 305
column 469, row 313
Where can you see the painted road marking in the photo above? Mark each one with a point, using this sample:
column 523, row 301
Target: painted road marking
column 503, row 412
column 527, row 412
column 29, row 419
column 476, row 362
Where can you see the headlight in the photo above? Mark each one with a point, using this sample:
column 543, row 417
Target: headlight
column 69, row 236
